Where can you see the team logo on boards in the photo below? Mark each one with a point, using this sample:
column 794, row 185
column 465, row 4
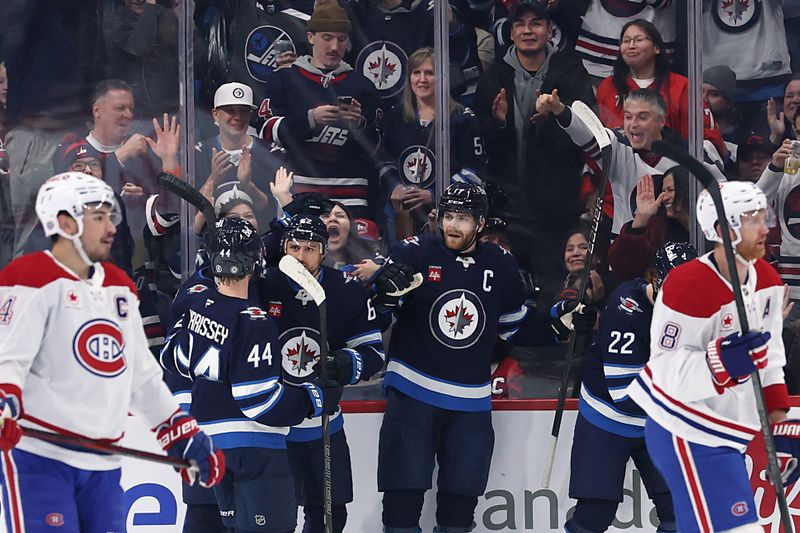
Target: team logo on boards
column 299, row 351
column 99, row 348
column 260, row 53
column 417, row 166
column 457, row 319
column 383, row 63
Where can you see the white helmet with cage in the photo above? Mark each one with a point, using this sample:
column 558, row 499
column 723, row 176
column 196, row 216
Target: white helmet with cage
column 738, row 198
column 72, row 192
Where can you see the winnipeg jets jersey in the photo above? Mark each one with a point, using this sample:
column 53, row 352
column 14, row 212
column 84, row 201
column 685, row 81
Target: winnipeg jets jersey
column 441, row 347
column 229, row 349
column 77, row 350
column 675, row 388
column 620, row 350
column 351, row 323
column 785, row 200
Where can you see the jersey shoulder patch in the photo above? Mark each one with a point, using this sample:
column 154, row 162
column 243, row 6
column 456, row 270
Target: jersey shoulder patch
column 254, row 313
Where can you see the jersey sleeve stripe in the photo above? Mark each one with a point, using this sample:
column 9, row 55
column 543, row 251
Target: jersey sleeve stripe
column 621, row 371
column 242, row 391
column 258, row 410
column 514, row 316
column 508, row 334
column 239, row 425
column 370, row 337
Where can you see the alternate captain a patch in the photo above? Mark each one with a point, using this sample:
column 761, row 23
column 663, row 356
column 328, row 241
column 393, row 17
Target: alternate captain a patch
column 457, row 319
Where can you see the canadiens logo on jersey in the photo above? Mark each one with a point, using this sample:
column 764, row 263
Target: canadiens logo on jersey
column 54, row 520
column 299, row 351
column 457, row 319
column 383, row 63
column 260, row 52
column 736, row 16
column 100, row 348
column 417, row 167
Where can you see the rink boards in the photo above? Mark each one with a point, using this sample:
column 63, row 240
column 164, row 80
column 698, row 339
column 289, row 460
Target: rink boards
column 514, row 501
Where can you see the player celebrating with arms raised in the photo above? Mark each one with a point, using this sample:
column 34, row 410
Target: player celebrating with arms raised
column 696, row 390
column 438, row 376
column 74, row 360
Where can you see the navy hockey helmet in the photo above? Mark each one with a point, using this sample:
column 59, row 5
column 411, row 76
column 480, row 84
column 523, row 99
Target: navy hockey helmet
column 236, row 250
column 306, row 228
column 668, row 257
column 465, row 198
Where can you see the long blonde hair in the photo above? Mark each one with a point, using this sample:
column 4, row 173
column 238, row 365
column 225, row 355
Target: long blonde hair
column 409, row 100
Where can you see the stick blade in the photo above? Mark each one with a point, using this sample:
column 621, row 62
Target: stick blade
column 592, row 121
column 298, row 273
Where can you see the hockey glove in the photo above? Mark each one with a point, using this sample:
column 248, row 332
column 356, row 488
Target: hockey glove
column 787, row 442
column 345, row 366
column 180, row 437
column 10, row 410
column 568, row 315
column 391, row 283
column 312, row 203
column 732, row 359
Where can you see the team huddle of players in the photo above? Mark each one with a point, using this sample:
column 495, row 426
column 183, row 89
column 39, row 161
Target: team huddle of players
column 668, row 386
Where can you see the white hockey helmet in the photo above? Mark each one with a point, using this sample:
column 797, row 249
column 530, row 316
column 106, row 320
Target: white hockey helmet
column 738, row 198
column 72, row 192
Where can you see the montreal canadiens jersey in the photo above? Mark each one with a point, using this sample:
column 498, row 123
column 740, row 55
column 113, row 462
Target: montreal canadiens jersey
column 598, row 38
column 229, row 349
column 351, row 323
column 77, row 350
column 441, row 347
column 331, row 159
column 620, row 350
column 675, row 388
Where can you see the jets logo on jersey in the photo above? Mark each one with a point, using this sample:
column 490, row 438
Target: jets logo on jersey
column 299, row 351
column 255, row 313
column 791, row 212
column 196, row 289
column 417, row 164
column 629, row 305
column 623, row 8
column 383, row 63
column 457, row 319
column 736, row 16
column 260, row 52
column 99, row 348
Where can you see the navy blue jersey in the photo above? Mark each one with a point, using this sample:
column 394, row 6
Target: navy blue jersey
column 229, row 348
column 620, row 350
column 409, row 149
column 441, row 347
column 351, row 324
column 334, row 160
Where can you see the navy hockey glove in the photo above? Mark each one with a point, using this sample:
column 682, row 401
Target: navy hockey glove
column 180, row 437
column 324, row 398
column 787, row 442
column 10, row 410
column 391, row 283
column 568, row 315
column 732, row 359
column 345, row 366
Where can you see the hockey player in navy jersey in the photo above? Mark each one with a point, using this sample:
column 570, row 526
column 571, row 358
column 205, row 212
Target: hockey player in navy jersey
column 437, row 379
column 607, row 418
column 74, row 360
column 696, row 389
column 323, row 113
column 356, row 353
column 230, row 349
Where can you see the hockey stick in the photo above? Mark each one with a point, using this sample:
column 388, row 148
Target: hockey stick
column 710, row 184
column 298, row 273
column 587, row 116
column 93, row 445
column 185, row 191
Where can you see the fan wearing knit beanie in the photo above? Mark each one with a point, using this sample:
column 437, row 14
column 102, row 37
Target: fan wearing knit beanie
column 719, row 96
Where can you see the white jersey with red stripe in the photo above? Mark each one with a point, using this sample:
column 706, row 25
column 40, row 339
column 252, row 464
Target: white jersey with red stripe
column 785, row 201
column 77, row 351
column 675, row 388
column 598, row 39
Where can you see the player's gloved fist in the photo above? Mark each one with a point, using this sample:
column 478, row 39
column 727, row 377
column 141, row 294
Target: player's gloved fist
column 181, row 437
column 331, row 394
column 569, row 314
column 732, row 359
column 10, row 410
column 392, row 281
column 787, row 442
column 345, row 366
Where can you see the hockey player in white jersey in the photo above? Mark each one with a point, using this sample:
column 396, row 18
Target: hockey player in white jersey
column 74, row 360
column 696, row 389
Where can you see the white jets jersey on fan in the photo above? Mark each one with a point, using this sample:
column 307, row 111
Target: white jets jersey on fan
column 695, row 307
column 86, row 386
column 785, row 199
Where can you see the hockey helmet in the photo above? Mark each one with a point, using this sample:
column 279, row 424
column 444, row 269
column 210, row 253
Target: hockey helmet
column 464, row 198
column 668, row 257
column 236, row 250
column 738, row 198
column 306, row 228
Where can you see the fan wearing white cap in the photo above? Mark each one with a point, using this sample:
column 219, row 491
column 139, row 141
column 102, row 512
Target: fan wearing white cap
column 234, row 157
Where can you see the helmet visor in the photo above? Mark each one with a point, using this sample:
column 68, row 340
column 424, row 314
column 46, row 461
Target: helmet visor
column 759, row 216
column 114, row 213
